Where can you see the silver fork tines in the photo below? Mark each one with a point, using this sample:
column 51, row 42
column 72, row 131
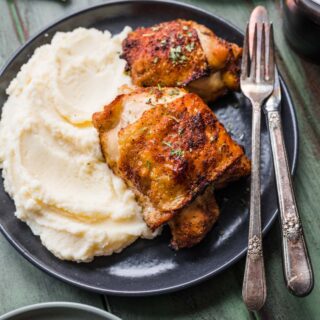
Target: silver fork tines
column 257, row 74
column 256, row 81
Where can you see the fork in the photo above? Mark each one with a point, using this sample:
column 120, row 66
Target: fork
column 256, row 81
column 296, row 261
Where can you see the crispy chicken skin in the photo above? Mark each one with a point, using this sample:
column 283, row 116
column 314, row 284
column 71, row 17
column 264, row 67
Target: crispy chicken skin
column 241, row 168
column 124, row 110
column 173, row 151
column 182, row 53
column 168, row 146
column 192, row 224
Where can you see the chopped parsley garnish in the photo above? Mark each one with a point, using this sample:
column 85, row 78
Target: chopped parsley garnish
column 148, row 101
column 148, row 164
column 159, row 86
column 180, row 36
column 174, row 152
column 189, row 34
column 179, row 153
column 183, row 58
column 190, row 46
column 176, row 55
column 168, row 144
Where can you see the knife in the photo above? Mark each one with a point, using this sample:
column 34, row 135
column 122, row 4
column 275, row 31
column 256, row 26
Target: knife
column 296, row 262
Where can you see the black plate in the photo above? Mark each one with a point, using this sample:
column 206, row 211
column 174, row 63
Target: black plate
column 151, row 267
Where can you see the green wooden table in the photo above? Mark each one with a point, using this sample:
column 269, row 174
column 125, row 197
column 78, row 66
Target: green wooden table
column 219, row 298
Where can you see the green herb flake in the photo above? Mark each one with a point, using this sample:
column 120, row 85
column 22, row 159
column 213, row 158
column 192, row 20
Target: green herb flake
column 159, row 86
column 168, row 144
column 190, row 34
column 190, row 46
column 174, row 152
column 180, row 36
column 179, row 153
column 176, row 55
column 183, row 58
column 148, row 164
column 148, row 101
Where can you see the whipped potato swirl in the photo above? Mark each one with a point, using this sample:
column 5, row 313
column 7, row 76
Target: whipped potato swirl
column 50, row 153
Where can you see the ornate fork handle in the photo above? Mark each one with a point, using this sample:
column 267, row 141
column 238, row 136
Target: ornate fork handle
column 297, row 266
column 254, row 290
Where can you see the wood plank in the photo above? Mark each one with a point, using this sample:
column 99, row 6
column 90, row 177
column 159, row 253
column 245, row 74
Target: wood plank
column 22, row 284
column 38, row 14
column 8, row 37
column 218, row 298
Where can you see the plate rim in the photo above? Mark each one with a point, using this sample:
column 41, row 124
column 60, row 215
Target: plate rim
column 208, row 275
column 58, row 304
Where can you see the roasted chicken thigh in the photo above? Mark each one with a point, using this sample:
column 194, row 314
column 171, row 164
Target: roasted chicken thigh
column 182, row 53
column 169, row 147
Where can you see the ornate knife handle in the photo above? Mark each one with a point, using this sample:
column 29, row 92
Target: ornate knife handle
column 296, row 262
column 254, row 290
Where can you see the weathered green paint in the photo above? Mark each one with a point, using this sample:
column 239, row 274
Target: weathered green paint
column 218, row 298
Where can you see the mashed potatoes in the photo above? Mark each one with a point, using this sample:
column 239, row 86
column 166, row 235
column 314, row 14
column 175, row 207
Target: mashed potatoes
column 50, row 153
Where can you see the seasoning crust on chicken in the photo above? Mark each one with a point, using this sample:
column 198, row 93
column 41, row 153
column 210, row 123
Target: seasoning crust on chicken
column 182, row 53
column 172, row 152
column 191, row 224
column 167, row 145
column 124, row 110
